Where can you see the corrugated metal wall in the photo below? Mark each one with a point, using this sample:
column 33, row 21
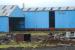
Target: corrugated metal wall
column 65, row 19
column 37, row 19
column 40, row 19
column 4, row 24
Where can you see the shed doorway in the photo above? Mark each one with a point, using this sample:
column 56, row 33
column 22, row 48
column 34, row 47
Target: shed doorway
column 52, row 19
column 16, row 23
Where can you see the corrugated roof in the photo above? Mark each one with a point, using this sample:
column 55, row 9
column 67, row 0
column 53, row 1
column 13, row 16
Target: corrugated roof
column 48, row 8
column 5, row 10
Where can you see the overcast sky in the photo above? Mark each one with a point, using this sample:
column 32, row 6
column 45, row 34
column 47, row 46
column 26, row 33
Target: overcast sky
column 39, row 3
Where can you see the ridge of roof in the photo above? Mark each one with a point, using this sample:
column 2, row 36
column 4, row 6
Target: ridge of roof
column 49, row 8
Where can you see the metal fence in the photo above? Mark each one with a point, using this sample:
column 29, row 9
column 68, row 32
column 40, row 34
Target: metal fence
column 44, row 48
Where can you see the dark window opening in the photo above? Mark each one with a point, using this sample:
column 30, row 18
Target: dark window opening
column 16, row 24
column 51, row 19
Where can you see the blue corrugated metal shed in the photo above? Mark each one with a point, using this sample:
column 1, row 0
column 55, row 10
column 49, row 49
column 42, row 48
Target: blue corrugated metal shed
column 64, row 17
column 36, row 18
column 7, row 11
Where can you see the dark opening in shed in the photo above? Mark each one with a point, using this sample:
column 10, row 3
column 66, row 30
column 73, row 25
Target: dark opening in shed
column 16, row 23
column 52, row 19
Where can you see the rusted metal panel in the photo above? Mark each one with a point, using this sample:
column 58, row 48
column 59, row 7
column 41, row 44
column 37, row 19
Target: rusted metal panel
column 19, row 37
